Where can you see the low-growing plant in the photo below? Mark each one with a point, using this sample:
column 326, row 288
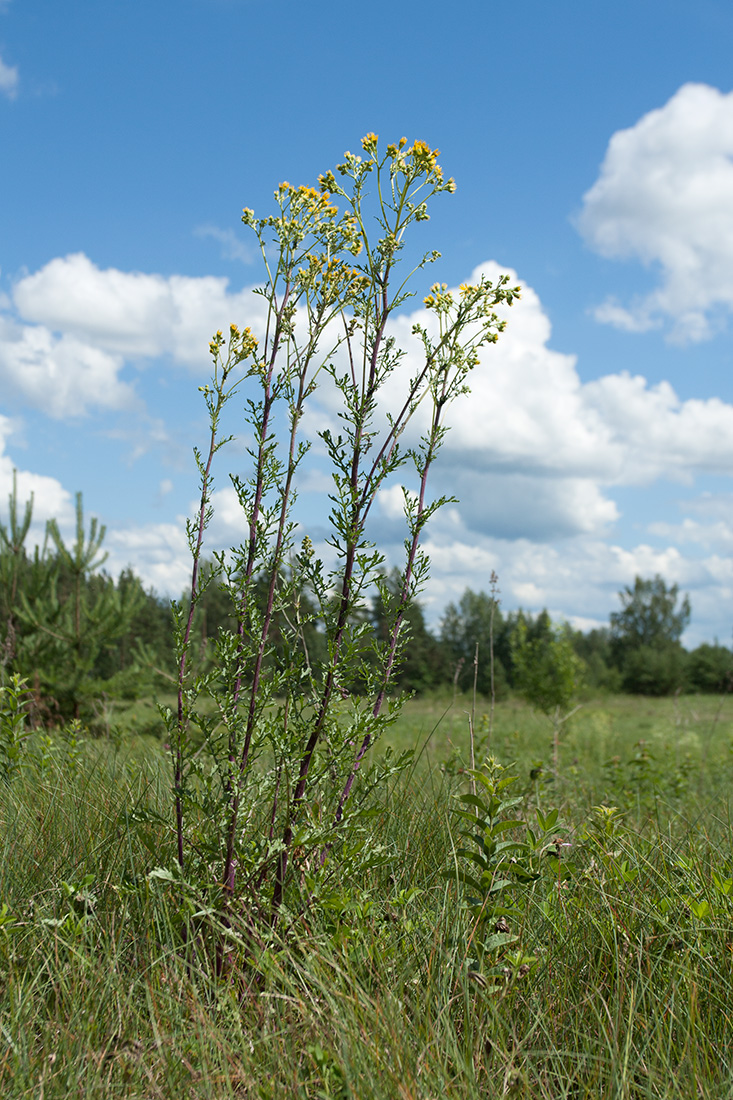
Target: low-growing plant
column 505, row 858
column 14, row 730
column 272, row 800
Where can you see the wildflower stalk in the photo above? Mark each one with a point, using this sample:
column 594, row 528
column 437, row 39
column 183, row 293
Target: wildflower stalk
column 327, row 323
column 216, row 396
column 277, row 561
column 418, row 516
column 494, row 605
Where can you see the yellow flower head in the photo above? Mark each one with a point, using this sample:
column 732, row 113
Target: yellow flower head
column 369, row 143
column 327, row 182
column 307, row 192
column 425, row 158
column 249, row 343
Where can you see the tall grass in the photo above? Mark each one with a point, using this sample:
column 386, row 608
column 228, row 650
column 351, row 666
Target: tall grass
column 378, row 994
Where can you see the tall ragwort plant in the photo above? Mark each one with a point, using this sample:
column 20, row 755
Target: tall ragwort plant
column 265, row 782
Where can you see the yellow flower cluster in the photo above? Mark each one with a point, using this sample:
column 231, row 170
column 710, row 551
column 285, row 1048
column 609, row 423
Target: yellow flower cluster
column 393, row 150
column 244, row 343
column 369, row 143
column 309, row 193
column 416, row 159
column 217, row 342
column 303, row 210
column 247, row 341
column 425, row 158
column 334, row 278
column 327, row 182
column 421, row 152
column 440, row 298
column 306, row 196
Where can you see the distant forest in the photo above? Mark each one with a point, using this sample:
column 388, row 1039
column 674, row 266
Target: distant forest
column 78, row 635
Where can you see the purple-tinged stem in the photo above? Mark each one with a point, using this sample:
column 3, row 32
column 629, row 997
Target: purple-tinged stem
column 344, row 606
column 404, row 595
column 200, row 527
column 228, row 877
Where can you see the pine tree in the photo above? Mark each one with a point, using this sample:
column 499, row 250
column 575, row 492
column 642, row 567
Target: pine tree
column 70, row 614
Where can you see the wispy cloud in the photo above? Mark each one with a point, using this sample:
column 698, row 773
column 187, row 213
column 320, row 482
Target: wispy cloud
column 232, row 247
column 9, row 79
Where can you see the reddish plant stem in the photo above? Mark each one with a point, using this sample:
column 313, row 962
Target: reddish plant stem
column 200, row 527
column 228, row 877
column 404, row 594
column 259, row 489
column 356, row 527
column 251, row 553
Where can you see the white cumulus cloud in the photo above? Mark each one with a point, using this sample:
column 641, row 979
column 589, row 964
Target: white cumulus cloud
column 535, row 452
column 71, row 328
column 133, row 314
column 578, row 580
column 158, row 552
column 664, row 196
column 62, row 376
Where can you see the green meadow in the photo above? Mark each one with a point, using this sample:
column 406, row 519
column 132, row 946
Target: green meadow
column 592, row 959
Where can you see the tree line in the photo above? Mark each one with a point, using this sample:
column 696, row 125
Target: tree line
column 639, row 652
column 82, row 638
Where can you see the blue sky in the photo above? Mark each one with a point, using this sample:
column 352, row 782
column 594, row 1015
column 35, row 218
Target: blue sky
column 592, row 147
